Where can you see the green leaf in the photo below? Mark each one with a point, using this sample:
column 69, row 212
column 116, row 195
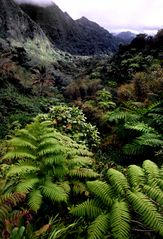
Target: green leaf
column 35, row 200
column 54, row 192
column 120, row 220
column 87, row 209
column 99, row 227
column 102, row 190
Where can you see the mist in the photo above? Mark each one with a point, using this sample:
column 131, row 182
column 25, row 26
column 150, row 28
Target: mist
column 37, row 2
column 114, row 15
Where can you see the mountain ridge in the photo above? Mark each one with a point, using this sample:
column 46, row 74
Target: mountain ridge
column 78, row 37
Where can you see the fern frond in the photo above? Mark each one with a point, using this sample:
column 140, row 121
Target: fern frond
column 99, row 227
column 25, row 134
column 79, row 188
column 151, row 169
column 88, row 209
column 133, row 148
column 118, row 181
column 152, row 140
column 83, row 173
column 55, row 159
column 157, row 118
column 138, row 145
column 155, row 193
column 117, row 115
column 21, row 170
column 7, row 201
column 54, row 192
column 59, row 171
column 147, row 211
column 120, row 220
column 140, row 126
column 21, row 142
column 35, row 200
column 17, row 154
column 25, row 185
column 50, row 150
column 80, row 161
column 135, row 175
column 65, row 185
column 102, row 190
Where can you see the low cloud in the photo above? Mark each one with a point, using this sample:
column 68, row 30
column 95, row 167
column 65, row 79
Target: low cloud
column 37, row 2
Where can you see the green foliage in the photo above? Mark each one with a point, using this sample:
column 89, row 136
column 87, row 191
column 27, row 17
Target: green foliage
column 138, row 129
column 41, row 160
column 112, row 204
column 72, row 121
column 17, row 233
column 105, row 100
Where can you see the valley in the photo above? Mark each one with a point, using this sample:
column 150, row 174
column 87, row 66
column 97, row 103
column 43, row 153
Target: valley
column 81, row 128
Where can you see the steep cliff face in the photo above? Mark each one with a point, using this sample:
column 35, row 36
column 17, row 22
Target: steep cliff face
column 15, row 24
column 17, row 29
column 81, row 37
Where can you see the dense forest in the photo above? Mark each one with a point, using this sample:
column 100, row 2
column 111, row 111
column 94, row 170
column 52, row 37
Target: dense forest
column 81, row 142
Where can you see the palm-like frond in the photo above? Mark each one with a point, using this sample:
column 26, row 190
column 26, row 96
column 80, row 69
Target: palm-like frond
column 118, row 181
column 138, row 145
column 17, row 154
column 140, row 126
column 39, row 152
column 135, row 176
column 80, row 161
column 151, row 169
column 102, row 190
column 88, row 209
column 99, row 227
column 140, row 190
column 147, row 211
column 25, row 185
column 120, row 220
column 118, row 115
column 83, row 173
column 35, row 200
column 155, row 193
column 23, row 143
column 21, row 170
column 54, row 192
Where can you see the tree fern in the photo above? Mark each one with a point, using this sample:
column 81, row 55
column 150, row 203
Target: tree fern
column 110, row 209
column 138, row 130
column 42, row 159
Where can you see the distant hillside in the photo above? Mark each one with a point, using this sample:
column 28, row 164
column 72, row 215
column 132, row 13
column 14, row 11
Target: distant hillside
column 80, row 37
column 126, row 37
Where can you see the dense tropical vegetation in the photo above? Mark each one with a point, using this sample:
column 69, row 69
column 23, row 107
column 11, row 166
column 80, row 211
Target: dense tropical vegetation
column 83, row 158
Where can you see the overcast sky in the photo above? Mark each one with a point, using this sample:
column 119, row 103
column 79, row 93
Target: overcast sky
column 116, row 14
